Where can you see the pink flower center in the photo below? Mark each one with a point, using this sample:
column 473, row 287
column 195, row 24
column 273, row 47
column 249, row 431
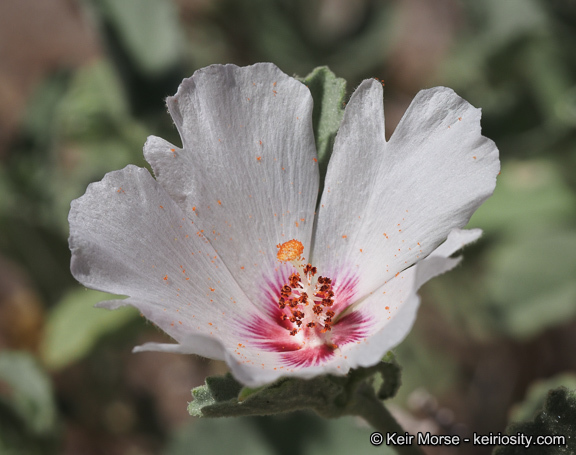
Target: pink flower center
column 305, row 317
column 305, row 301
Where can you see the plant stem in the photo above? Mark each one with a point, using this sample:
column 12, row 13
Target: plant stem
column 371, row 409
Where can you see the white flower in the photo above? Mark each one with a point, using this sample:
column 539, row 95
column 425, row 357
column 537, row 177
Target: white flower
column 205, row 250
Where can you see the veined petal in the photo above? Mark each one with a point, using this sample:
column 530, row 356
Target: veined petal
column 129, row 237
column 387, row 205
column 393, row 307
column 247, row 172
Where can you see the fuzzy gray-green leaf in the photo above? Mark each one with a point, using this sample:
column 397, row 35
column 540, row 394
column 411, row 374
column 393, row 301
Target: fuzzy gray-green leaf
column 329, row 396
column 556, row 419
column 328, row 92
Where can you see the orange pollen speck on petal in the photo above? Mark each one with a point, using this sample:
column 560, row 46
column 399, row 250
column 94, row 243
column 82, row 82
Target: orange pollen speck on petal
column 290, row 250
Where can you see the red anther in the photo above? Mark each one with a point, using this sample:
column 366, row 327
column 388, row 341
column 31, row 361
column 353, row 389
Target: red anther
column 294, row 280
column 293, row 297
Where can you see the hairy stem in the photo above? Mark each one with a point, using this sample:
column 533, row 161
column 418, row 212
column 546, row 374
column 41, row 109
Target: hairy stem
column 371, row 409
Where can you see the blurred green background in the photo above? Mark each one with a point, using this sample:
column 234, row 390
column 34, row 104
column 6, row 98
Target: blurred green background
column 82, row 84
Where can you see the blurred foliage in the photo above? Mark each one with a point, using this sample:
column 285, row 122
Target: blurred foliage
column 292, row 34
column 28, row 412
column 505, row 318
column 150, row 30
column 74, row 326
column 276, row 435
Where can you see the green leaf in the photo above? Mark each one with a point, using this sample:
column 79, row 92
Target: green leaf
column 556, row 419
column 328, row 92
column 74, row 326
column 329, row 396
column 31, row 395
column 150, row 31
column 530, row 282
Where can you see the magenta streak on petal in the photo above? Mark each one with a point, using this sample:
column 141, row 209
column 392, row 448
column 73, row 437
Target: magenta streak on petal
column 308, row 357
column 270, row 290
column 270, row 335
column 352, row 327
column 310, row 347
column 344, row 286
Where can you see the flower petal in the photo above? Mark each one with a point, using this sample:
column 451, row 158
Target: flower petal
column 392, row 308
column 191, row 344
column 129, row 237
column 247, row 173
column 387, row 205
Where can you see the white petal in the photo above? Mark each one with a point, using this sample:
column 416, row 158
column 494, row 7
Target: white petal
column 394, row 305
column 253, row 374
column 247, row 172
column 191, row 344
column 387, row 205
column 129, row 237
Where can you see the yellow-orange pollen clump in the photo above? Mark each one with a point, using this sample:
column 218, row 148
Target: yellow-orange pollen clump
column 304, row 298
column 290, row 250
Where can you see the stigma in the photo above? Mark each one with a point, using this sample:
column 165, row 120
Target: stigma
column 305, row 300
column 290, row 251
